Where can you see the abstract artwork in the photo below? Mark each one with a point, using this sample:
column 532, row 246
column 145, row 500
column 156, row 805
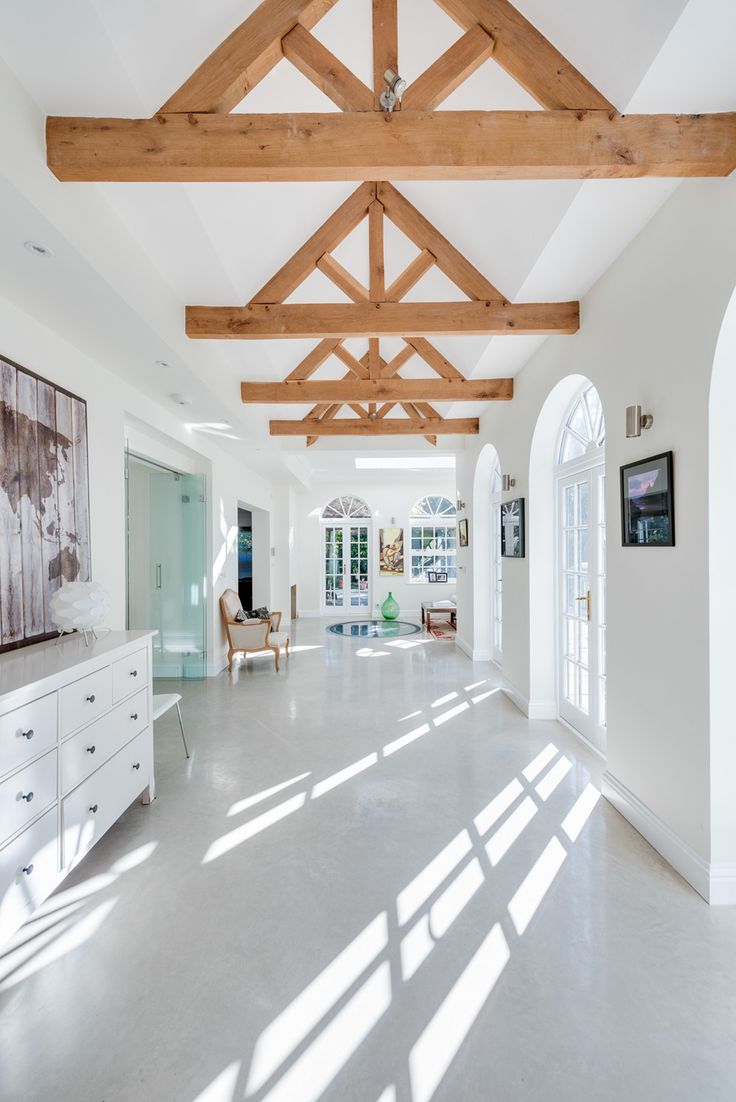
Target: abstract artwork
column 647, row 503
column 391, row 552
column 44, row 501
column 512, row 528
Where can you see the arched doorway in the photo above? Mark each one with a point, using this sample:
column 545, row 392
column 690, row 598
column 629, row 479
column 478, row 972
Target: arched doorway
column 346, row 546
column 581, row 567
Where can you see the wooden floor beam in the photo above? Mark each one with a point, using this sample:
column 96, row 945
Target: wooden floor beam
column 380, row 319
column 406, row 145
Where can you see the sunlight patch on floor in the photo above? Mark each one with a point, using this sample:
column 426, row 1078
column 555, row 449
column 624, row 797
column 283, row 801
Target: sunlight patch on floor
column 501, row 842
column 251, row 801
column 404, row 740
column 418, row 891
column 536, row 884
column 242, row 833
column 544, row 758
column 222, row 1089
column 343, row 775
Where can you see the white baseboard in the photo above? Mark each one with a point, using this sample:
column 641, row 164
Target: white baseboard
column 532, row 709
column 716, row 883
column 465, row 648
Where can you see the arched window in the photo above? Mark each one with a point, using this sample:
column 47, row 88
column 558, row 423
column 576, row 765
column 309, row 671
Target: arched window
column 347, row 507
column 584, row 430
column 433, row 540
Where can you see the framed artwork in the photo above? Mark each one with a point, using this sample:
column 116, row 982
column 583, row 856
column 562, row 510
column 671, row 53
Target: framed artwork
column 512, row 529
column 462, row 529
column 648, row 503
column 391, row 552
column 436, row 575
column 44, row 501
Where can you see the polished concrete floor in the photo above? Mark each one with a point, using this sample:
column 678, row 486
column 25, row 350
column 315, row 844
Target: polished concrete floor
column 375, row 881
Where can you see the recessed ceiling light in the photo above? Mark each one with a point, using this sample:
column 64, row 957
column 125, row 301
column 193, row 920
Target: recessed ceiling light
column 162, row 363
column 37, row 249
column 181, row 399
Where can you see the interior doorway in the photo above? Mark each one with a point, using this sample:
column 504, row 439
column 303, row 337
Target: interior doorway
column 245, row 557
column 581, row 588
column 165, row 552
column 346, row 547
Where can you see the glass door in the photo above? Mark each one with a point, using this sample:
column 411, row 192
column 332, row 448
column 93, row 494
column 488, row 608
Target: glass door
column 166, row 565
column 582, row 603
column 346, row 567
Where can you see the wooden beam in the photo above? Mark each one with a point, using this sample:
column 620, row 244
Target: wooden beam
column 359, row 369
column 364, row 426
column 343, row 279
column 449, row 71
column 408, row 145
column 425, row 235
column 380, row 319
column 314, row 359
column 411, row 275
column 411, row 411
column 388, row 370
column 325, row 70
column 385, row 45
column 329, row 235
column 379, row 390
column 375, row 252
column 433, row 357
column 374, row 358
column 245, row 57
column 528, row 56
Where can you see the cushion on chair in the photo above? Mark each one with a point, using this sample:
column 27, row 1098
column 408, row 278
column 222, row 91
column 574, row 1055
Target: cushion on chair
column 260, row 614
column 278, row 639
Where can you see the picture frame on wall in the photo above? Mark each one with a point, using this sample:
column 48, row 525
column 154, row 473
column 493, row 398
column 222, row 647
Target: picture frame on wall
column 648, row 502
column 513, row 541
column 462, row 530
column 436, row 575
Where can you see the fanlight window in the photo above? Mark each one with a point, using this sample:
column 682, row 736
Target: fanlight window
column 585, row 428
column 346, row 508
column 431, row 507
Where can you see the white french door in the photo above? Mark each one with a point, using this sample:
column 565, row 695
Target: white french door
column 582, row 603
column 346, row 572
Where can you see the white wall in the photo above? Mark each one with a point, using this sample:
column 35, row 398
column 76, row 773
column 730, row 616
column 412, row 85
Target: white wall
column 388, row 496
column 117, row 411
column 648, row 335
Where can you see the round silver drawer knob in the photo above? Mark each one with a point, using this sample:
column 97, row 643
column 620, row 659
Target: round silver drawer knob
column 93, row 809
column 91, row 749
column 28, row 869
column 136, row 765
column 27, row 796
column 91, row 698
column 134, row 715
column 134, row 673
column 28, row 734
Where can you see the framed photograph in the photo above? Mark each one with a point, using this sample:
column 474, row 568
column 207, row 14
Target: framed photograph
column 512, row 528
column 436, row 575
column 431, row 576
column 462, row 528
column 648, row 503
column 391, row 552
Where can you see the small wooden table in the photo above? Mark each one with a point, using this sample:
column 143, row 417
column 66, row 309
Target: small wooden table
column 429, row 610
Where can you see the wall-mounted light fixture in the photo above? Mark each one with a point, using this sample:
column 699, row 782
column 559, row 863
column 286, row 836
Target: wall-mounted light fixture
column 636, row 421
column 460, row 505
column 507, row 481
column 394, row 90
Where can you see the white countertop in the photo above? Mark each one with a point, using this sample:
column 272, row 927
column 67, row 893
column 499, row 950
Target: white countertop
column 42, row 667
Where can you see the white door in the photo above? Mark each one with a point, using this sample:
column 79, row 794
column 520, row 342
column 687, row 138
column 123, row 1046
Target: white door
column 582, row 591
column 346, row 567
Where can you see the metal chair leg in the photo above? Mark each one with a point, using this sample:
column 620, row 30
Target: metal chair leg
column 183, row 739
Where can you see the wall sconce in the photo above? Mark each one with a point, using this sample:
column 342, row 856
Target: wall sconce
column 395, row 87
column 460, row 505
column 636, row 421
column 507, row 481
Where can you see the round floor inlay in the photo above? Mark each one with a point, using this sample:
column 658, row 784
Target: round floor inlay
column 374, row 629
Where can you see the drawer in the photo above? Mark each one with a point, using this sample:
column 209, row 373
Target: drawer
column 26, row 793
column 29, row 871
column 86, row 751
column 129, row 674
column 27, row 731
column 98, row 802
column 85, row 700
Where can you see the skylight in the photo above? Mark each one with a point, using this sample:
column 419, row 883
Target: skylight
column 406, row 463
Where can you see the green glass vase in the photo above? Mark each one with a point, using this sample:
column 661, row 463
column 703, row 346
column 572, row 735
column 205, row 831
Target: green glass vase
column 390, row 608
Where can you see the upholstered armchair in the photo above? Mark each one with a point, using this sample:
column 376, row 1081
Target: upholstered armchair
column 251, row 636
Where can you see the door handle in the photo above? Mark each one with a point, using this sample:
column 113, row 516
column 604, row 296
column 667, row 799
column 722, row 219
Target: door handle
column 158, row 575
column 588, row 601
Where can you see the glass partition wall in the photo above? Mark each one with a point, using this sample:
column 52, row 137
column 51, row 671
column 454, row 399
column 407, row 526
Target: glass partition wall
column 166, row 581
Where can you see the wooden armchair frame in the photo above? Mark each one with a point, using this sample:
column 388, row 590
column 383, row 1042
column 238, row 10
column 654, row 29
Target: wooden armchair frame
column 251, row 636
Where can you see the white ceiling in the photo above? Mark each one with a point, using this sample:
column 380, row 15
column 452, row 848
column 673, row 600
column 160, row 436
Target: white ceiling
column 139, row 253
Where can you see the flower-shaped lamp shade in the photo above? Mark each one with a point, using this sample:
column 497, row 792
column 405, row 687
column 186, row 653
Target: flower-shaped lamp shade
column 79, row 606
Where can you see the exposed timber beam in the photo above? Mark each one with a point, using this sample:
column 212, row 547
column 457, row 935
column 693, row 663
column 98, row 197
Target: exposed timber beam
column 408, row 145
column 380, row 390
column 364, row 426
column 449, row 71
column 245, row 57
column 410, row 276
column 527, row 55
column 381, row 319
column 385, row 45
column 315, row 359
column 317, row 64
column 433, row 357
column 343, row 279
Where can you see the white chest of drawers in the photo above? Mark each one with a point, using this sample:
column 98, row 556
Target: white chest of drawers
column 76, row 749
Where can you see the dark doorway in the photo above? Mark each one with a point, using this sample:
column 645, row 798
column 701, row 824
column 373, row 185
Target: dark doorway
column 245, row 558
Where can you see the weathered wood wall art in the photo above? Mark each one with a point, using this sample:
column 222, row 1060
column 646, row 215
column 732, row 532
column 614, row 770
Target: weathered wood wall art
column 44, row 501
